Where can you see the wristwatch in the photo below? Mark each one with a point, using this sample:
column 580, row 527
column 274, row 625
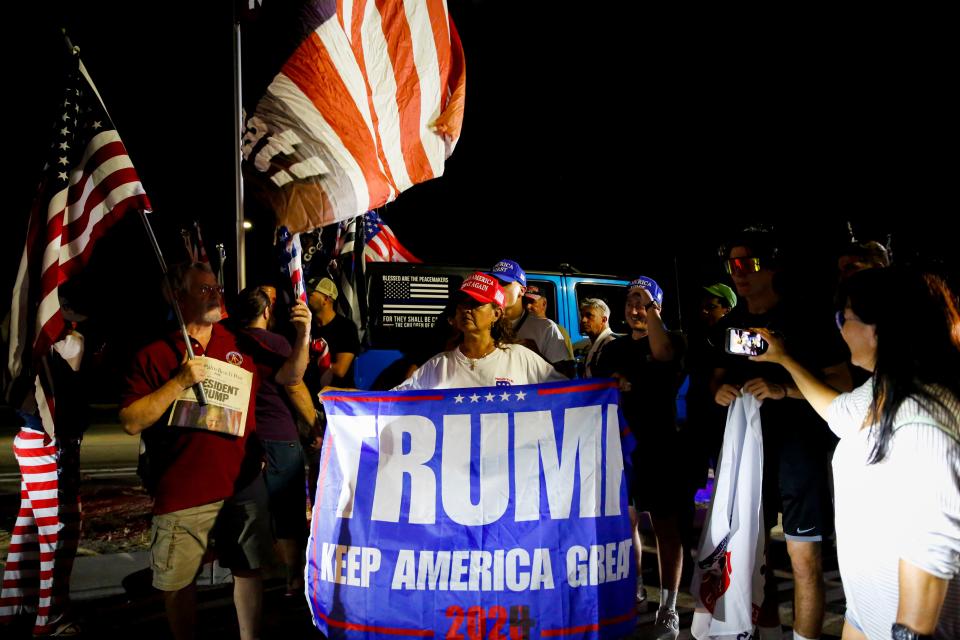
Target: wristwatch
column 902, row 632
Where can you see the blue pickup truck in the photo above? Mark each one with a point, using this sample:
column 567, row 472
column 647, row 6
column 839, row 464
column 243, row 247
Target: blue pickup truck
column 405, row 299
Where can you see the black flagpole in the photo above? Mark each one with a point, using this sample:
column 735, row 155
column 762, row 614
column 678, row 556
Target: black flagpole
column 168, row 290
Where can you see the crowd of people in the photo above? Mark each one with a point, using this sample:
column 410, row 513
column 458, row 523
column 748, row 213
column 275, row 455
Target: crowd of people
column 882, row 377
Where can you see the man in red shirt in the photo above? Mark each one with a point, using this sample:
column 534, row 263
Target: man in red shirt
column 200, row 476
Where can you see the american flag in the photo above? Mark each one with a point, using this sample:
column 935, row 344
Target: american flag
column 88, row 184
column 380, row 245
column 290, row 261
column 348, row 265
column 368, row 101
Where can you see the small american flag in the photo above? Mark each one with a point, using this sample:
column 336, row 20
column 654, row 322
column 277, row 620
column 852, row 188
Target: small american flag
column 87, row 185
column 291, row 264
column 380, row 245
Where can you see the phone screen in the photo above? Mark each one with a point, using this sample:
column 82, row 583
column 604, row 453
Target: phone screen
column 743, row 342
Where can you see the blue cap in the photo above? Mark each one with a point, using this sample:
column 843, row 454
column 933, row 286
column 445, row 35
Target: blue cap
column 509, row 271
column 650, row 285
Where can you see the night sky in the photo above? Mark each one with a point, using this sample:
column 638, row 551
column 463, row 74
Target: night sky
column 625, row 141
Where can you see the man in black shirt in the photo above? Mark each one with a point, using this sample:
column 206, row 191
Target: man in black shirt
column 796, row 442
column 340, row 335
column 647, row 364
column 334, row 346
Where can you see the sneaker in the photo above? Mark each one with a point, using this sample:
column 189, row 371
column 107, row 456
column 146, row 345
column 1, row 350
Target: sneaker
column 667, row 626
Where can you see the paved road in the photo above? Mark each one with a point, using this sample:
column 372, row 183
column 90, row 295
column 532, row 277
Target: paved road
column 107, row 452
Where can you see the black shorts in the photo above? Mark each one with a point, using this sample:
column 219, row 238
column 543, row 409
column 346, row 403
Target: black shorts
column 241, row 533
column 656, row 485
column 796, row 482
column 286, row 487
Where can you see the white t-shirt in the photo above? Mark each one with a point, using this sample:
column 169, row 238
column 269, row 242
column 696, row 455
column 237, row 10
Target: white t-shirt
column 510, row 364
column 907, row 506
column 546, row 335
column 596, row 349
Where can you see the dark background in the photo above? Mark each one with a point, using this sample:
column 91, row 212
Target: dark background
column 617, row 139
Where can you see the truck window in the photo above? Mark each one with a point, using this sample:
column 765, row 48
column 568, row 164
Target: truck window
column 548, row 289
column 614, row 295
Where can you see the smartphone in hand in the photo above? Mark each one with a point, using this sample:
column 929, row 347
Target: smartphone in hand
column 743, row 342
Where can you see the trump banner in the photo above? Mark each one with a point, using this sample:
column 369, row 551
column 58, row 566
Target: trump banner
column 481, row 514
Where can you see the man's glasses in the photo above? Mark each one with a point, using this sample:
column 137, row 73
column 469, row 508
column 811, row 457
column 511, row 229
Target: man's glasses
column 206, row 290
column 742, row 265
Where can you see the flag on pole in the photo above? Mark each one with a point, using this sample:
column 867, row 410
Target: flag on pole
column 87, row 185
column 290, row 261
column 368, row 101
column 347, row 267
column 380, row 244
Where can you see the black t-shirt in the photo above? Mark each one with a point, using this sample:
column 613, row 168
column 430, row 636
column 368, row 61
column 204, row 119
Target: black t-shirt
column 341, row 336
column 650, row 405
column 810, row 337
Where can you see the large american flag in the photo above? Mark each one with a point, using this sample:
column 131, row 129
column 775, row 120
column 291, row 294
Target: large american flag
column 380, row 244
column 368, row 101
column 87, row 185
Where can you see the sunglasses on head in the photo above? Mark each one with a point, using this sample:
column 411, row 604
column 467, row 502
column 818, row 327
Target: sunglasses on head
column 742, row 265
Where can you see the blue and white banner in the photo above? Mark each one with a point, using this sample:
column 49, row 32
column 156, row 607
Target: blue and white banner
column 480, row 514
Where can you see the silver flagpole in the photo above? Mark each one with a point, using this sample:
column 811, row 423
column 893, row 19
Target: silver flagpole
column 238, row 126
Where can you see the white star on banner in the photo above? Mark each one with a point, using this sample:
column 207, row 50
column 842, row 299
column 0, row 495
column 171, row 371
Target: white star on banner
column 96, row 124
column 521, row 395
column 490, row 397
column 63, row 161
column 474, row 398
column 64, row 131
column 62, row 175
column 504, row 396
column 458, row 398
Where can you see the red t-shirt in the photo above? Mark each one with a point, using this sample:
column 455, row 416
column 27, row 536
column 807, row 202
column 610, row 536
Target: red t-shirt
column 199, row 467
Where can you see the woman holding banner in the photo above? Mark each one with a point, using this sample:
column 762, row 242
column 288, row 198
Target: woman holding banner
column 485, row 357
column 897, row 466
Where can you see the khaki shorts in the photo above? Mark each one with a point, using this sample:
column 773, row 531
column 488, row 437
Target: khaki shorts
column 178, row 541
column 239, row 528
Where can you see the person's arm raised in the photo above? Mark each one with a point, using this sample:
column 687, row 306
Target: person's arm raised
column 291, row 372
column 814, row 391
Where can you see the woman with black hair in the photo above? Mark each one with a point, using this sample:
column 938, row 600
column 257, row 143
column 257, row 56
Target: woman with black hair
column 897, row 466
